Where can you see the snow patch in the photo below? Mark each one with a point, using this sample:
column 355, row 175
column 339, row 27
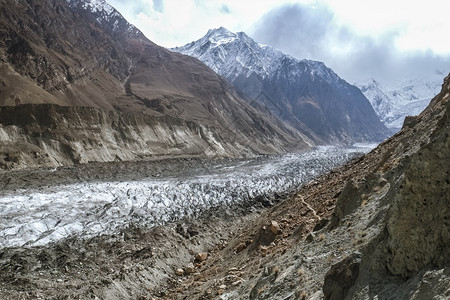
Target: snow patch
column 97, row 6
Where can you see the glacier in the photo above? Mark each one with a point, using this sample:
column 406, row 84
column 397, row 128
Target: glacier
column 38, row 216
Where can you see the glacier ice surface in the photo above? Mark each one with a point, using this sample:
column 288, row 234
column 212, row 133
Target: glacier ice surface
column 38, row 216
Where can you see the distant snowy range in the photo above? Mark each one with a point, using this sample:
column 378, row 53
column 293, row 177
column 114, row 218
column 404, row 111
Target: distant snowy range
column 407, row 96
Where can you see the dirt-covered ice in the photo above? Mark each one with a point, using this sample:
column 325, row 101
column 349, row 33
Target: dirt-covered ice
column 45, row 213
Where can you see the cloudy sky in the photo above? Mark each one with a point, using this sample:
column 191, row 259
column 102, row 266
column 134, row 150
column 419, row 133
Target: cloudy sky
column 383, row 39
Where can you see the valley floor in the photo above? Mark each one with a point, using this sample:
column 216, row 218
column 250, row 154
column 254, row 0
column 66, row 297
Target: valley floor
column 39, row 259
column 277, row 247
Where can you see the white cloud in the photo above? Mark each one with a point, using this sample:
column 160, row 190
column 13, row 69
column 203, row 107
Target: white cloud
column 371, row 37
column 421, row 24
column 183, row 21
column 376, row 50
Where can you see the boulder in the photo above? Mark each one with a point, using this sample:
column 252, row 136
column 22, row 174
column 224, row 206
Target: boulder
column 202, row 256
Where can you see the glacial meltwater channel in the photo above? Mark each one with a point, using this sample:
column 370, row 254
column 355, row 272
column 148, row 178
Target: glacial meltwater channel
column 31, row 217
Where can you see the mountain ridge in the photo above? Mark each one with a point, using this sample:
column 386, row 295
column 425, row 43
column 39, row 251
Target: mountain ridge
column 306, row 94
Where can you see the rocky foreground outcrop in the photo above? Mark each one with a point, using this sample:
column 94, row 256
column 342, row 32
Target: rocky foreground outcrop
column 376, row 228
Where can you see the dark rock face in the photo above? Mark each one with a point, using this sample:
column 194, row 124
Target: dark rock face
column 418, row 224
column 409, row 195
column 341, row 277
column 74, row 53
column 306, row 94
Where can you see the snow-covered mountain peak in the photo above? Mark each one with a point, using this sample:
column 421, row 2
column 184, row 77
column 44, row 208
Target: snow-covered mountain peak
column 222, row 50
column 95, row 6
column 105, row 13
column 227, row 52
column 220, row 36
column 407, row 96
column 371, row 84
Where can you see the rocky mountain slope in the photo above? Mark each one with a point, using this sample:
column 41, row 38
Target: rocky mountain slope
column 79, row 83
column 374, row 229
column 408, row 97
column 305, row 93
column 377, row 228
